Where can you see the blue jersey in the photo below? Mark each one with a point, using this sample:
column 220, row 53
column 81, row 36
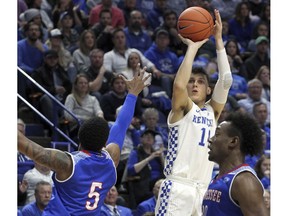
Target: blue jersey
column 217, row 200
column 83, row 193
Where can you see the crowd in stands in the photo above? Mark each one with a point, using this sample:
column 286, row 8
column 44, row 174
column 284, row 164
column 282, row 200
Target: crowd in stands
column 76, row 48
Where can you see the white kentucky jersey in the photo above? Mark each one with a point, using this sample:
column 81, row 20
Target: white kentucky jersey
column 187, row 155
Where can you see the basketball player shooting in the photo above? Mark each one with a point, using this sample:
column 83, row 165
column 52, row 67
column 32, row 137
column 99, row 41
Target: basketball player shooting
column 192, row 121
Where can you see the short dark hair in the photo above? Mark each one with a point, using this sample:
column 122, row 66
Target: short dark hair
column 93, row 134
column 249, row 132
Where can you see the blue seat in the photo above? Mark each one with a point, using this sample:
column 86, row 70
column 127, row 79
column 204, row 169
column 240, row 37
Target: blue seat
column 34, row 130
column 23, row 167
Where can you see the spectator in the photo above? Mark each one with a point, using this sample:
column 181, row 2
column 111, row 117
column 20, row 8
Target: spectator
column 241, row 26
column 265, row 14
column 43, row 192
column 152, row 95
column 53, row 78
column 262, row 169
column 83, row 105
column 135, row 35
column 163, row 59
column 31, row 49
column 21, row 126
column 48, row 24
column 233, row 49
column 263, row 75
column 259, row 58
column 22, row 193
column 261, row 29
column 127, row 6
column 254, row 96
column 267, row 199
column 79, row 16
column 226, row 7
column 110, row 206
column 145, row 6
column 155, row 16
column 32, row 15
column 177, row 5
column 69, row 31
column 149, row 204
column 22, row 7
column 144, row 168
column 99, row 77
column 260, row 113
column 239, row 87
column 170, row 24
column 230, row 106
column 35, row 175
column 115, row 98
column 29, row 55
column 118, row 19
column 116, row 59
column 103, row 30
column 55, row 42
column 150, row 119
column 81, row 55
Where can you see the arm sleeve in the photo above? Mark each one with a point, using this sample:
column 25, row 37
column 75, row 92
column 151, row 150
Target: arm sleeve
column 123, row 120
column 225, row 80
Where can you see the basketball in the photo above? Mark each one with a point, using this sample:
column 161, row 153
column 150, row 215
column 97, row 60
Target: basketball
column 195, row 23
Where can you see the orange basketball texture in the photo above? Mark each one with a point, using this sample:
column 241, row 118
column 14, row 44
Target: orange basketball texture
column 195, row 23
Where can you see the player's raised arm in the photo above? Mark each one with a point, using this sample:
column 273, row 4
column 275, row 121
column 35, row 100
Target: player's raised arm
column 124, row 118
column 180, row 99
column 224, row 82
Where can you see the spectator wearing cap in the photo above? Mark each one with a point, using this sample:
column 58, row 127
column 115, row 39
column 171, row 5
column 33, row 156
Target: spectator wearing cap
column 170, row 24
column 70, row 32
column 55, row 42
column 259, row 58
column 46, row 20
column 144, row 167
column 79, row 17
column 52, row 77
column 136, row 36
column 164, row 59
column 32, row 15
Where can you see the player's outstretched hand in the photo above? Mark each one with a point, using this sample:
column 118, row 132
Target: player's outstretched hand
column 188, row 42
column 137, row 84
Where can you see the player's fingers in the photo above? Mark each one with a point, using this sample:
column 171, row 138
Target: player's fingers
column 146, row 78
column 122, row 77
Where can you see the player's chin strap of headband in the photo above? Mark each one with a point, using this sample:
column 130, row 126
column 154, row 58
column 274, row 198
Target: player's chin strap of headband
column 225, row 79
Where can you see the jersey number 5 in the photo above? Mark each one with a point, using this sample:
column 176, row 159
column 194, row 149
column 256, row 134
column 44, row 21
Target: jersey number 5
column 93, row 193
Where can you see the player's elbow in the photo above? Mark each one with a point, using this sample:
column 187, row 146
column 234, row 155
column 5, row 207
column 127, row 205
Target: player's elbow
column 227, row 81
